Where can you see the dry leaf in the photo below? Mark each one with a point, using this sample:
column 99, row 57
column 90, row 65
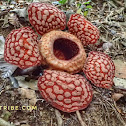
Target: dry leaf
column 2, row 41
column 120, row 69
column 29, row 94
column 120, row 83
column 117, row 96
column 32, row 84
column 33, row 101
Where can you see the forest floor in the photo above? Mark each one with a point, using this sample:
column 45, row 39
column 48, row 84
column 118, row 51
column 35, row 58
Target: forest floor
column 108, row 107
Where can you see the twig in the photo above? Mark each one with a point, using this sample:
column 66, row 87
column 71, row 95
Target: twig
column 107, row 19
column 118, row 2
column 117, row 113
column 125, row 3
column 106, row 111
column 58, row 117
column 51, row 121
column 80, row 118
column 5, row 123
column 3, row 13
column 104, row 101
column 112, row 4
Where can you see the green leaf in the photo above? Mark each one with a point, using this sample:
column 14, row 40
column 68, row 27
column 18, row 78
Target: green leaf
column 9, row 1
column 78, row 5
column 62, row 1
column 89, row 6
column 85, row 13
column 88, row 2
column 78, row 11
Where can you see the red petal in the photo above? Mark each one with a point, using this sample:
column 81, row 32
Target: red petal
column 83, row 29
column 21, row 48
column 100, row 69
column 64, row 91
column 45, row 17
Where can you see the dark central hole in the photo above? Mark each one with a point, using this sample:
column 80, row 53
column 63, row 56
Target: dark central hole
column 65, row 49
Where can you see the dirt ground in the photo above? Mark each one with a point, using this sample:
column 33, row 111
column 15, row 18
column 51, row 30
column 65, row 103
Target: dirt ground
column 110, row 17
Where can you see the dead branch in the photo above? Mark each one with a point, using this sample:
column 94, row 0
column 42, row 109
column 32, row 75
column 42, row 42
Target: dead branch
column 80, row 119
column 118, row 2
column 3, row 13
column 58, row 117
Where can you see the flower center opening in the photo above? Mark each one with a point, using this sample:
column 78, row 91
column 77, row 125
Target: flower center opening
column 65, row 49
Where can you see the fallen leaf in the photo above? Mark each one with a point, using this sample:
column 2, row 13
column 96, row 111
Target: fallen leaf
column 120, row 83
column 33, row 101
column 6, row 115
column 6, row 68
column 117, row 96
column 29, row 94
column 2, row 41
column 120, row 69
column 32, row 84
column 25, row 125
column 79, row 11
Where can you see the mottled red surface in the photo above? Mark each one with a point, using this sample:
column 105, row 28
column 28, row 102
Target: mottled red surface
column 64, row 91
column 45, row 17
column 83, row 29
column 99, row 69
column 21, row 48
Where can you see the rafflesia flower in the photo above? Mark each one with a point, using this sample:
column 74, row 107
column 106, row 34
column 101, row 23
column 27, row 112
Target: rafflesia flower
column 64, row 53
